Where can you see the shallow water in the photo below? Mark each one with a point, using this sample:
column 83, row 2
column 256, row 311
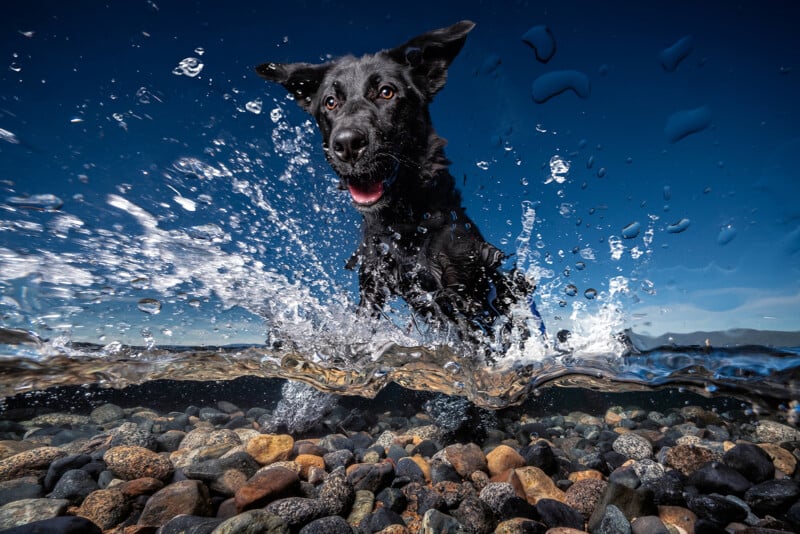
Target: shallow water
column 166, row 214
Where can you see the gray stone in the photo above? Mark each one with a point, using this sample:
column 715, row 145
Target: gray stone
column 633, row 446
column 435, row 522
column 328, row 525
column 253, row 522
column 74, row 486
column 496, row 494
column 132, row 434
column 649, row 524
column 106, row 414
column 25, row 511
column 297, row 511
column 613, row 522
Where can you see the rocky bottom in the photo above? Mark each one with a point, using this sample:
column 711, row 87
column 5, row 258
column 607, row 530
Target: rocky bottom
column 447, row 468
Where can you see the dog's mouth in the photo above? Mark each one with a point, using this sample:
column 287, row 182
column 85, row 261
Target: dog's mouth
column 366, row 194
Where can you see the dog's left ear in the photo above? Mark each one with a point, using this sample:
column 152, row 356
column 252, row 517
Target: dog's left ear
column 300, row 79
column 430, row 54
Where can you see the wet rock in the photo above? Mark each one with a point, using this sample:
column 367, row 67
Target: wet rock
column 131, row 434
column 213, row 416
column 340, row 458
column 140, row 486
column 625, row 476
column 503, row 458
column 584, row 495
column 475, row 513
column 648, row 524
column 335, row 442
column 613, row 522
column 205, row 437
column 677, row 516
column 688, row 458
column 362, row 506
column 557, row 514
column 537, row 485
column 772, row 497
column 633, row 446
column 496, row 494
column 782, row 459
column 631, row 502
column 466, row 459
column 540, row 455
column 308, row 462
column 30, row 462
column 20, row 488
column 106, row 413
column 372, row 477
column 74, row 486
column 61, row 466
column 170, row 440
column 519, row 525
column 751, row 461
column 60, row 525
column 443, row 472
column 648, row 471
column 716, row 477
column 253, row 521
column 266, row 486
column 183, row 497
column 669, row 489
column 131, row 462
column 190, row 524
column 105, row 508
column 408, row 469
column 716, row 508
column 380, row 519
column 336, row 493
column 25, row 511
column 421, row 498
column 228, row 407
column 435, row 522
column 270, row 448
column 773, row 432
column 328, row 525
column 297, row 511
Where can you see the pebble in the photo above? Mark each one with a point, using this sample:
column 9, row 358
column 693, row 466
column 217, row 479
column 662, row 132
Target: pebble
column 209, row 470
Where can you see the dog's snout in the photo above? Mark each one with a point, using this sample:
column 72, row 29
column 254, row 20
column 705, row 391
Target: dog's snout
column 349, row 144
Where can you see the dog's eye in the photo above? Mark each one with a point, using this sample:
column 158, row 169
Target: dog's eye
column 331, row 102
column 386, row 92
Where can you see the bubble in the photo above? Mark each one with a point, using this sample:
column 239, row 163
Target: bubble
column 44, row 202
column 667, row 193
column 559, row 170
column 194, row 303
column 15, row 67
column 190, row 66
column 590, row 162
column 678, row 227
column 562, row 303
column 580, row 265
column 601, row 172
column 151, row 306
column 482, row 165
column 632, row 230
column 726, row 234
column 199, row 51
column 571, row 290
column 254, row 106
column 590, row 293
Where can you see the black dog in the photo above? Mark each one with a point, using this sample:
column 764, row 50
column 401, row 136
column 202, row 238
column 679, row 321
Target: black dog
column 417, row 240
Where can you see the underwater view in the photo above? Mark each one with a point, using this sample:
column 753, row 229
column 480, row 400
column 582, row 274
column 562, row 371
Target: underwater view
column 172, row 234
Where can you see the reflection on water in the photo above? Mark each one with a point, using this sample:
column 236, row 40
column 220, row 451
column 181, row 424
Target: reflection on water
column 763, row 375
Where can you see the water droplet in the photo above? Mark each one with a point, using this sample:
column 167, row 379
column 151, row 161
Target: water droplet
column 567, row 272
column 15, row 67
column 726, row 234
column 141, row 282
column 590, row 162
column 571, row 290
column 483, row 165
column 632, row 230
column 562, row 303
column 254, row 106
column 44, row 202
column 189, row 66
column 678, row 227
column 580, row 265
column 601, row 172
column 667, row 192
column 590, row 293
column 199, row 51
column 194, row 303
column 151, row 306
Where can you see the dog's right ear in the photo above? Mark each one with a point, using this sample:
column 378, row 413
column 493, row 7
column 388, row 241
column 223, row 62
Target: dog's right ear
column 300, row 79
column 429, row 55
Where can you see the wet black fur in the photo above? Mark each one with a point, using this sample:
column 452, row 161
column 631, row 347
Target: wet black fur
column 417, row 242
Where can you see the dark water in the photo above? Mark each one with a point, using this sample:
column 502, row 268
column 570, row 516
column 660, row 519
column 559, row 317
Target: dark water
column 165, row 214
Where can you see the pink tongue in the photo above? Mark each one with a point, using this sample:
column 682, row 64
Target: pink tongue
column 367, row 194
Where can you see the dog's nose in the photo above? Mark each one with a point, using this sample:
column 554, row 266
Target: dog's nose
column 349, row 145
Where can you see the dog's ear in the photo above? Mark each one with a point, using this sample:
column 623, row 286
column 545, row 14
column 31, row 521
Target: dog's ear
column 430, row 54
column 300, row 79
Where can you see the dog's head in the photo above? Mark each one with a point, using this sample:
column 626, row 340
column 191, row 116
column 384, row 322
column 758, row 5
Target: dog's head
column 372, row 111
